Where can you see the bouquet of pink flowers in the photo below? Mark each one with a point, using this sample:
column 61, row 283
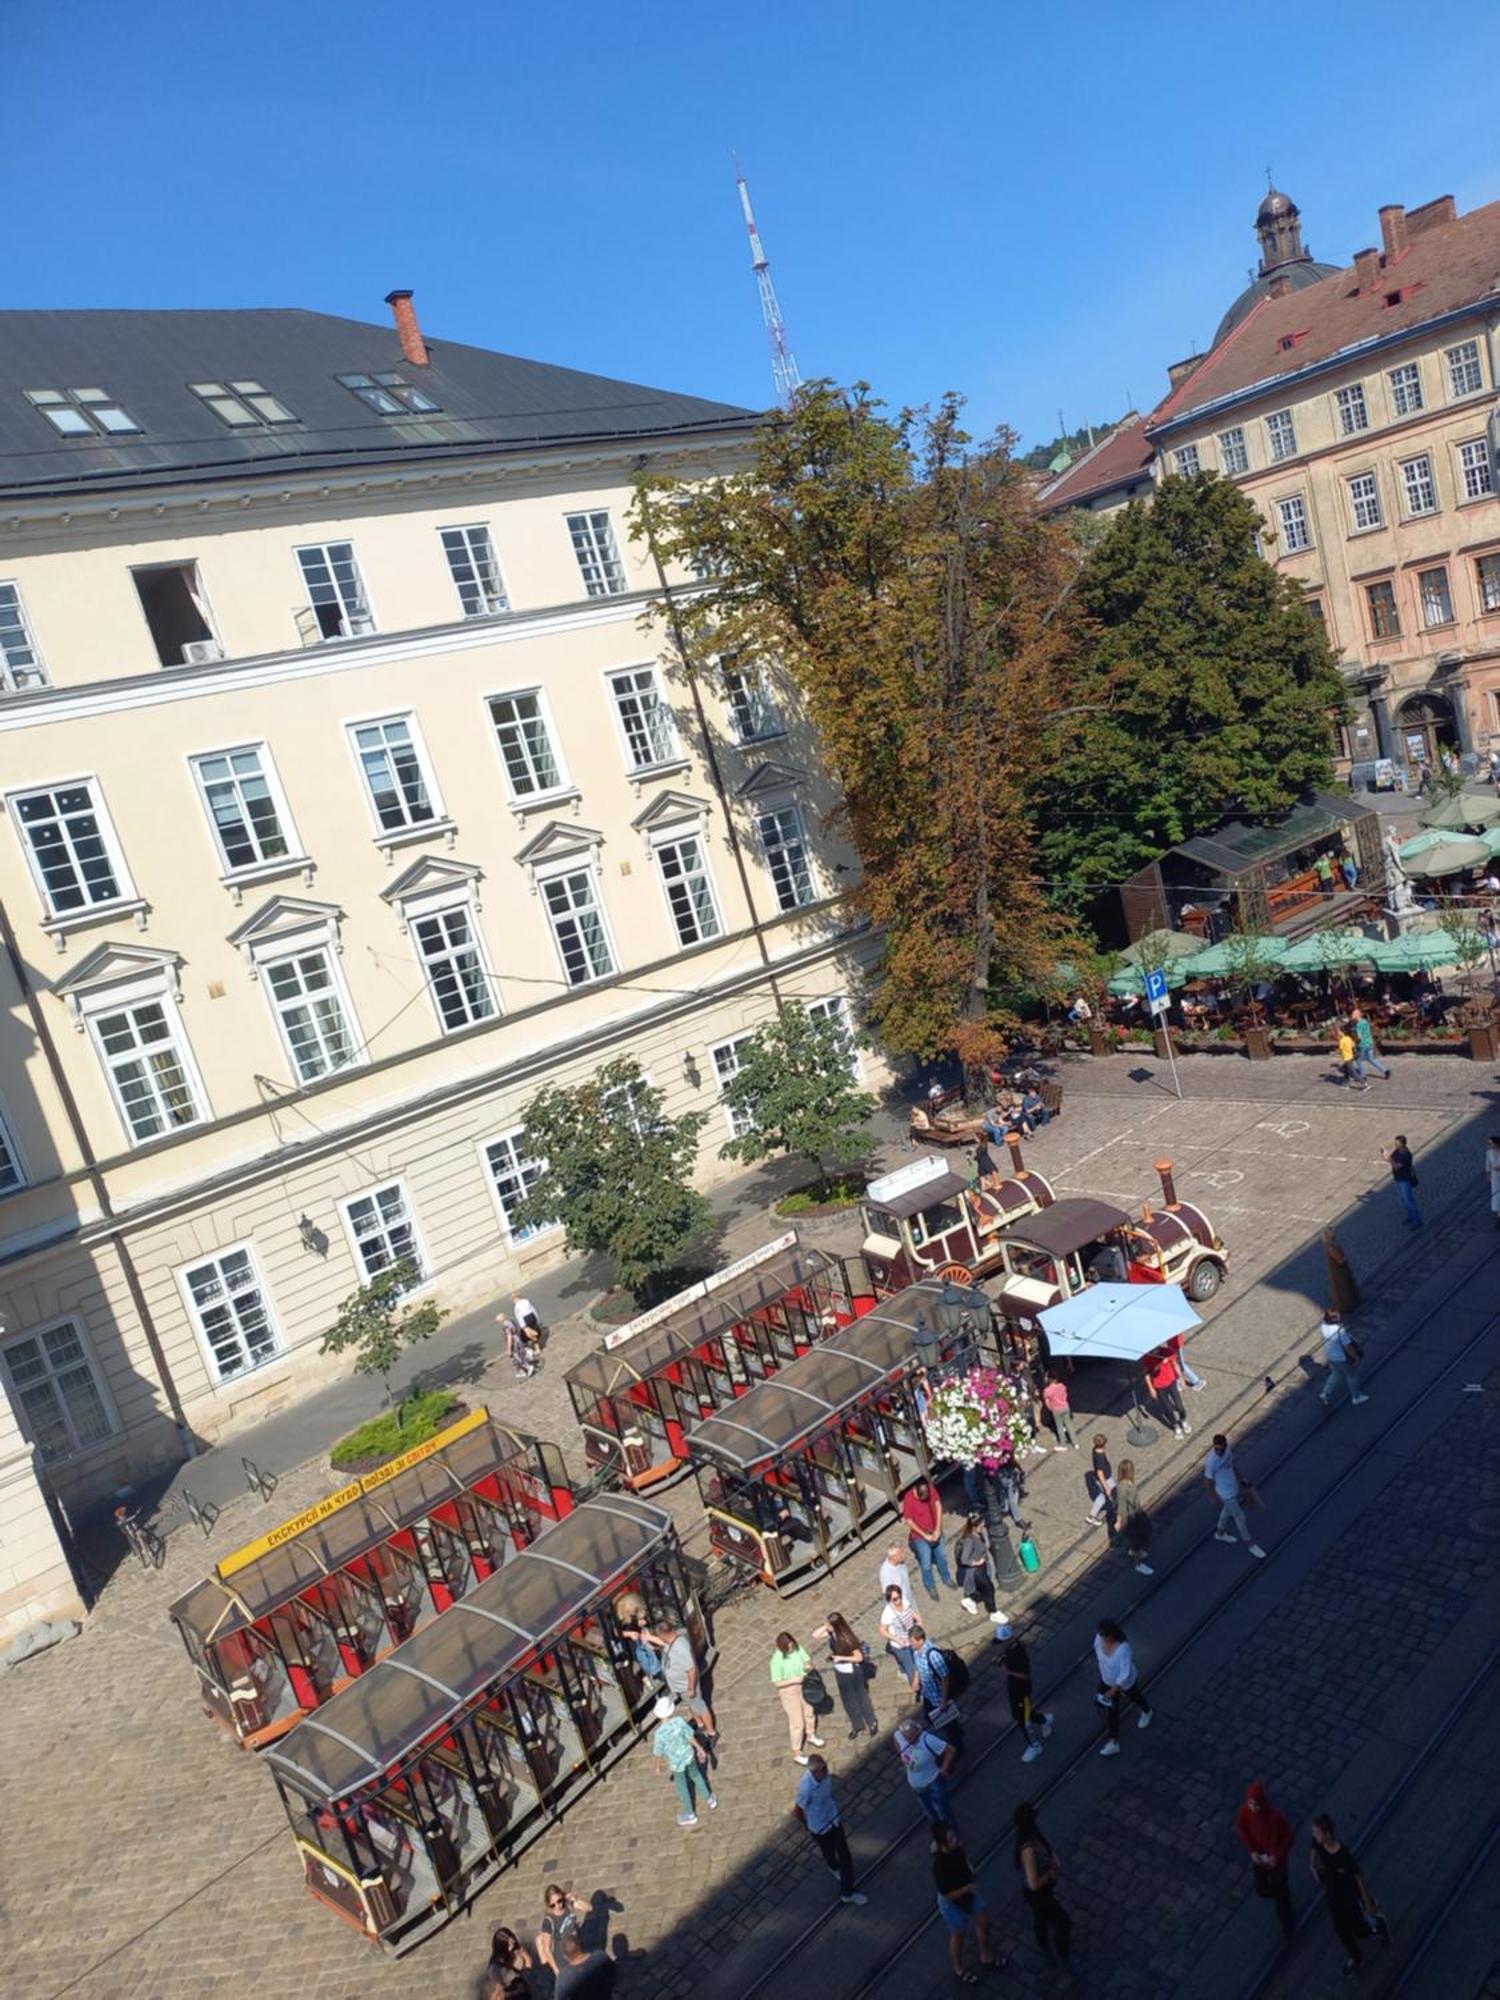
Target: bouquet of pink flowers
column 981, row 1418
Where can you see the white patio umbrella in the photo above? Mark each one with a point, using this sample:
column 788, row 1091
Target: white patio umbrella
column 1117, row 1322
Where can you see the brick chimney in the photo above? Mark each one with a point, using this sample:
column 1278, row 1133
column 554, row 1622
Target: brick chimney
column 1367, row 269
column 1393, row 229
column 1179, row 371
column 1432, row 215
column 413, row 346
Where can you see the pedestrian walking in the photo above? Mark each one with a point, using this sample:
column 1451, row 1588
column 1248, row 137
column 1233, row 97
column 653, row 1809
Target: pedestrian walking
column 1492, row 1172
column 1160, row 1371
column 1266, row 1835
column 984, row 1163
column 522, row 1359
column 975, row 1580
column 960, row 1905
column 1221, row 1478
column 1099, row 1484
column 1404, row 1174
column 1343, row 1286
column 896, row 1622
column 585, row 1975
column 852, row 1668
column 1364, row 1045
column 675, row 1748
column 525, row 1316
column 1035, row 1727
column 1346, row 1056
column 1040, row 1869
column 1352, row 1908
column 1133, row 1523
column 562, row 1915
column 680, row 1672
column 934, row 1680
column 928, row 1761
column 817, row 1808
column 922, row 1511
column 897, row 1570
column 1055, row 1402
column 1118, row 1683
column 1185, row 1368
column 790, row 1666
column 1342, row 1355
column 505, row 1975
column 1323, row 869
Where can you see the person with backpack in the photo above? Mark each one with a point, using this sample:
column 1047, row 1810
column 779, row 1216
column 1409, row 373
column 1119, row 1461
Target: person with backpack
column 939, row 1677
column 928, row 1761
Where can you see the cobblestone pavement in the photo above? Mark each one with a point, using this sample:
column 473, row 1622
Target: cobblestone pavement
column 148, row 1858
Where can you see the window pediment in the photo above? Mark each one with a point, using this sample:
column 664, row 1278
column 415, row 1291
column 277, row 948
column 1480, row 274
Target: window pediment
column 555, row 846
column 670, row 809
column 283, row 924
column 432, row 882
column 114, row 972
column 770, row 779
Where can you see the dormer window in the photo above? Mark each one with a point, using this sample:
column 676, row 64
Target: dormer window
column 243, row 405
column 82, row 412
column 389, row 395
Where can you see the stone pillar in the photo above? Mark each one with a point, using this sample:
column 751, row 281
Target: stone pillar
column 1382, row 717
column 36, row 1578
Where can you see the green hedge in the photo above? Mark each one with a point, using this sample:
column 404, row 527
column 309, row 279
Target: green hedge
column 383, row 1437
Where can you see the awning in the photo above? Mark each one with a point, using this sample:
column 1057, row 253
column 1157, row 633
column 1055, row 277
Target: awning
column 1222, row 961
column 1117, row 1322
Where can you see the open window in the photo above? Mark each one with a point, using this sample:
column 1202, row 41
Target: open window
column 177, row 612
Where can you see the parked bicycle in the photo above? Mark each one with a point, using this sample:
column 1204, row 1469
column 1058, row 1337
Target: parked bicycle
column 150, row 1550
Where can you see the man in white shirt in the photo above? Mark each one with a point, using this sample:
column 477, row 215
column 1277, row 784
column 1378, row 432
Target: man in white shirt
column 895, row 1570
column 1339, row 1360
column 928, row 1760
column 1223, row 1484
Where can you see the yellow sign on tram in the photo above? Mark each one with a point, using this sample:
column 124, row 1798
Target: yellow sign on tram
column 331, row 1503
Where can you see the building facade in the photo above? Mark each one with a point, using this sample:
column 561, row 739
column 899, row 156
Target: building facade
column 350, row 799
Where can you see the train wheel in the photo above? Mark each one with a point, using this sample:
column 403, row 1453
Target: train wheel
column 1204, row 1280
column 960, row 1274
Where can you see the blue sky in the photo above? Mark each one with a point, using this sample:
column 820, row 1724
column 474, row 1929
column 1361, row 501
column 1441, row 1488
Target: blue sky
column 1038, row 206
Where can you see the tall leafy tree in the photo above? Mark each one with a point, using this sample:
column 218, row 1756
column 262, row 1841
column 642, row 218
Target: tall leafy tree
column 379, row 1323
column 903, row 579
column 1209, row 689
column 617, row 1173
column 795, row 1089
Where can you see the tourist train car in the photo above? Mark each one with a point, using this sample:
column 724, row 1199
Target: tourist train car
column 421, row 1781
column 926, row 1221
column 287, row 1621
column 1077, row 1242
column 811, row 1464
column 635, row 1396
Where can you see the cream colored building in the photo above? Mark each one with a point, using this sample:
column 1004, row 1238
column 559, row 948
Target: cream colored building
column 348, row 801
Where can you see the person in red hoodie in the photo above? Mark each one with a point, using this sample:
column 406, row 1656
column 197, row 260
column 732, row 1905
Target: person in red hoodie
column 1266, row 1835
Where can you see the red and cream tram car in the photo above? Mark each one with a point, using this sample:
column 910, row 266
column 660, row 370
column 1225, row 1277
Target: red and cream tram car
column 924, row 1220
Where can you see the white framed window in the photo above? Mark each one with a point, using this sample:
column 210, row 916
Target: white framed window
column 1234, row 456
column 753, row 714
column 382, row 1231
column 57, row 1391
column 1465, row 374
column 578, row 928
column 783, row 840
column 12, row 1168
column 683, row 867
column 630, row 1101
column 512, row 1174
column 1406, row 389
column 647, row 729
column 1295, row 533
column 227, row 1301
column 528, row 745
column 598, row 555
column 389, row 395
column 1353, row 415
column 71, row 847
column 725, row 1057
column 1364, row 501
column 82, row 412
column 312, row 1012
column 20, row 662
column 149, row 1067
column 1185, row 458
column 1435, row 597
column 1281, row 434
column 1475, row 469
column 475, row 572
column 1487, row 576
column 448, row 944
column 336, row 601
column 243, row 405
column 1417, row 488
column 398, row 779
column 836, row 1008
column 245, row 806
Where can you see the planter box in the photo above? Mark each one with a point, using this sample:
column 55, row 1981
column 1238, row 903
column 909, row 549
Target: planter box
column 1101, row 1042
column 1159, row 1043
column 1258, row 1044
column 1483, row 1046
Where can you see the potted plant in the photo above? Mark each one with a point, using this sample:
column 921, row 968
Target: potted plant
column 1250, row 962
column 1469, row 952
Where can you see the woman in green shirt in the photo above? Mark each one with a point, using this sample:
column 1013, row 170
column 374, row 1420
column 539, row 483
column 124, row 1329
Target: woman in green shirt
column 789, row 1667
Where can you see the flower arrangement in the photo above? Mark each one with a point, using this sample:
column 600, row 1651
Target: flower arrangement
column 980, row 1418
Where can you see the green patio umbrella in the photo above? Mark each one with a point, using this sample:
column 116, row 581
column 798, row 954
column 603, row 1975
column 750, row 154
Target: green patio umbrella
column 1131, row 979
column 1415, row 951
column 1218, row 961
column 1453, row 815
column 1450, row 854
column 1160, row 945
column 1326, row 951
column 1492, row 841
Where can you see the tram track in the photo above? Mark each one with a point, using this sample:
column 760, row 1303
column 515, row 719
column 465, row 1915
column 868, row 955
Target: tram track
column 1420, row 1962
column 895, row 1952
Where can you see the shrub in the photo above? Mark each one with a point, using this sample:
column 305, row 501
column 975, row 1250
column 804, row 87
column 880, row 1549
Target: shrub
column 417, row 1419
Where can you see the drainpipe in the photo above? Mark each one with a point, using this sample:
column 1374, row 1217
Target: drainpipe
column 48, row 1047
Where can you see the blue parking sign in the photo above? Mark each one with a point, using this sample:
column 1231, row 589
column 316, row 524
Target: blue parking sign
column 1156, row 990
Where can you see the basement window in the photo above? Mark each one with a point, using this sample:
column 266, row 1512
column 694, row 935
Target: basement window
column 390, row 395
column 172, row 599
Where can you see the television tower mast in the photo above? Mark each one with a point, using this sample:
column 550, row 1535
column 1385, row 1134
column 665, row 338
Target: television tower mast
column 783, row 361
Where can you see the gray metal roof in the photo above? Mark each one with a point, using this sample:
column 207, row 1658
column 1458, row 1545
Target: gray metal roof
column 145, row 360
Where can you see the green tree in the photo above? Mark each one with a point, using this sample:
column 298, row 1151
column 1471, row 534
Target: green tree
column 795, row 1087
column 379, row 1322
column 905, row 581
column 1212, row 690
column 617, row 1173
